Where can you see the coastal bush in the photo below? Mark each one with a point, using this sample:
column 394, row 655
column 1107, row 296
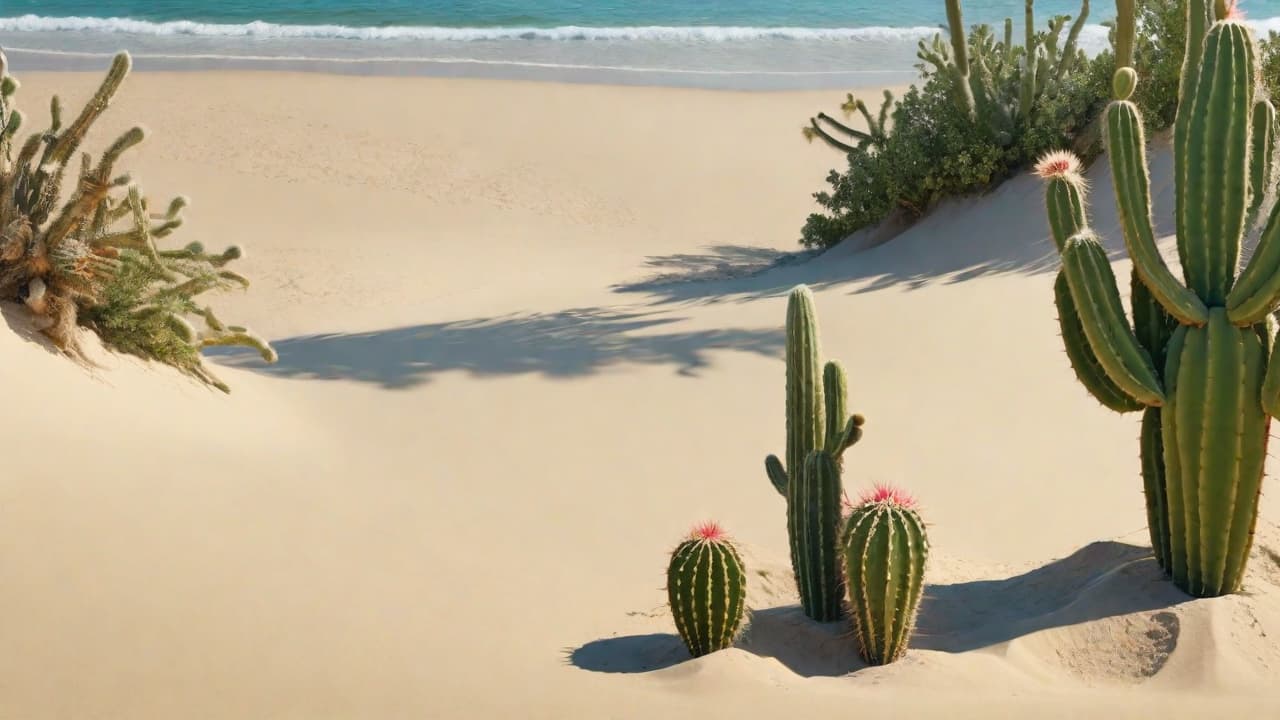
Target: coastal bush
column 985, row 108
column 819, row 430
column 1159, row 44
column 91, row 259
column 1198, row 356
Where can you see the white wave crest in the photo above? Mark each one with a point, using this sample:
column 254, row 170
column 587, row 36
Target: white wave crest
column 259, row 29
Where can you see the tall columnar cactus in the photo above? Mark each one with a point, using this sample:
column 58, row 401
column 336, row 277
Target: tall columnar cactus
column 884, row 550
column 1198, row 360
column 91, row 258
column 818, row 433
column 706, row 589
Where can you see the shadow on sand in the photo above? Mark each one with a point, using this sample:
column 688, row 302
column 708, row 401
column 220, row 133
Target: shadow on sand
column 952, row 244
column 1099, row 581
column 561, row 344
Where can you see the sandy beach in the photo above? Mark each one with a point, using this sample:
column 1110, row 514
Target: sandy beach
column 529, row 334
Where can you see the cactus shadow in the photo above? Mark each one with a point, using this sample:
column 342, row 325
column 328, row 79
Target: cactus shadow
column 630, row 653
column 805, row 647
column 1100, row 580
column 562, row 344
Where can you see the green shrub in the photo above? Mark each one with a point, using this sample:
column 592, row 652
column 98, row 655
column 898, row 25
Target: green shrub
column 1161, row 43
column 967, row 126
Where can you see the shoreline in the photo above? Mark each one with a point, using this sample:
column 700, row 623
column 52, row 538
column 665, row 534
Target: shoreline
column 37, row 60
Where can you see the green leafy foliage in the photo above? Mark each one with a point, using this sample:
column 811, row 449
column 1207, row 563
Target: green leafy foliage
column 1159, row 49
column 934, row 152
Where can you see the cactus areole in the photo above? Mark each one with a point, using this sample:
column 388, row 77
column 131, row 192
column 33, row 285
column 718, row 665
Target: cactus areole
column 819, row 430
column 1197, row 357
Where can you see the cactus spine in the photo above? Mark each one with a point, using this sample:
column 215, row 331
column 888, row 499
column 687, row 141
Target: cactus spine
column 885, row 548
column 818, row 433
column 706, row 589
column 1198, row 356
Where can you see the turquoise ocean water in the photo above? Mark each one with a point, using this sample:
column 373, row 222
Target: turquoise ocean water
column 708, row 43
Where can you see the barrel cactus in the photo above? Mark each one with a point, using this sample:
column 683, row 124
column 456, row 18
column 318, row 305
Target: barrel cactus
column 884, row 549
column 819, row 430
column 706, row 588
column 1197, row 359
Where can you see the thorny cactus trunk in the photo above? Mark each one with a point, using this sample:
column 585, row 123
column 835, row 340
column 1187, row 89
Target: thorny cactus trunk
column 1200, row 360
column 819, row 430
column 92, row 258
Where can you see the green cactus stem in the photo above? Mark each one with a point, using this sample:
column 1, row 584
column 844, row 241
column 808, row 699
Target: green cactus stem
column 1204, row 433
column 706, row 590
column 817, row 420
column 884, row 551
column 1261, row 153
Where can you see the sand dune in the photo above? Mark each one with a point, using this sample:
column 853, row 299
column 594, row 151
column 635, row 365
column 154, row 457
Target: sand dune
column 528, row 335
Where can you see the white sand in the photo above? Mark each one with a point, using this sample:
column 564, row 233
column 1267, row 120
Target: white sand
column 454, row 495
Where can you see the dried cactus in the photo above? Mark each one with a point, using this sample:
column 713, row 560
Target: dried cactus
column 1201, row 359
column 93, row 260
column 706, row 590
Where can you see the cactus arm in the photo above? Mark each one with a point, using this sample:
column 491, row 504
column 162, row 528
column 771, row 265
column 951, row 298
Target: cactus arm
column 1064, row 198
column 835, row 389
column 65, row 146
column 1093, row 289
column 1126, row 147
column 1213, row 180
column 1271, row 390
column 1027, row 94
column 1261, row 151
column 1257, row 291
column 1068, row 56
column 777, row 474
column 1083, row 361
column 1126, row 30
column 1151, row 453
column 815, row 130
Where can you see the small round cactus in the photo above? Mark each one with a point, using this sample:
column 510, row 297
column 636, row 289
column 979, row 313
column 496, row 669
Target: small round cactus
column 885, row 548
column 707, row 589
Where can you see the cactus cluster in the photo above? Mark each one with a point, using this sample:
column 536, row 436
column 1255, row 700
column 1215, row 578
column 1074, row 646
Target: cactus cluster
column 996, row 82
column 92, row 258
column 1197, row 358
column 819, row 430
column 706, row 590
column 884, row 548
